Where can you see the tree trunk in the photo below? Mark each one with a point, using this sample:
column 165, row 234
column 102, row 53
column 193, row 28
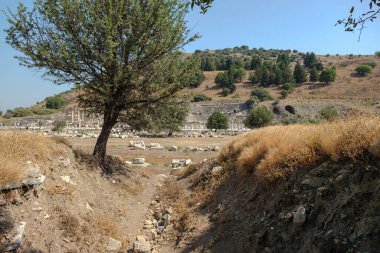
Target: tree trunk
column 100, row 150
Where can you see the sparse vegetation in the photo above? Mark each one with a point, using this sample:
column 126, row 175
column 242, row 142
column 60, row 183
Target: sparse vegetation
column 21, row 112
column 276, row 151
column 201, row 97
column 217, row 120
column 259, row 117
column 58, row 125
column 16, row 148
column 226, row 92
column 262, row 94
column 329, row 113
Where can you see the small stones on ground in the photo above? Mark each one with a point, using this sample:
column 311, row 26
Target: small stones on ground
column 113, row 245
column 15, row 237
column 67, row 179
column 216, row 170
column 180, row 163
column 299, row 216
column 140, row 245
column 139, row 160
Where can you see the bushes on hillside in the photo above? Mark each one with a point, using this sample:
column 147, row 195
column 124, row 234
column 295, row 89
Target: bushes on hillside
column 363, row 70
column 327, row 75
column 329, row 113
column 198, row 79
column 226, row 92
column 377, row 53
column 56, row 102
column 201, row 97
column 21, row 112
column 261, row 94
column 217, row 120
column 259, row 117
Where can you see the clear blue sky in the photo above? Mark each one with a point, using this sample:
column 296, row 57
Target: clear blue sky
column 294, row 24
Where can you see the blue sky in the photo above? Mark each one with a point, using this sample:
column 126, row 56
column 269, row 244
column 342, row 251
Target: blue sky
column 294, row 24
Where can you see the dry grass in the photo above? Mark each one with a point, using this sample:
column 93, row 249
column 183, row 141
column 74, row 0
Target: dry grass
column 16, row 148
column 276, row 151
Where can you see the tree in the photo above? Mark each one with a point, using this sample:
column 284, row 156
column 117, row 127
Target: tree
column 217, row 120
column 327, row 75
column 313, row 75
column 203, row 4
column 255, row 62
column 56, row 102
column 58, row 125
column 352, row 23
column 299, row 74
column 1, row 113
column 259, row 117
column 122, row 55
column 377, row 53
column 310, row 60
column 363, row 70
column 198, row 79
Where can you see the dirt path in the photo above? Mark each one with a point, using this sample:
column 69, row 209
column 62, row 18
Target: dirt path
column 137, row 206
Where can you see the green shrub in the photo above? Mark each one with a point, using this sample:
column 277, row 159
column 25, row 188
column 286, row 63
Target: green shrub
column 56, row 102
column 289, row 87
column 201, row 97
column 329, row 113
column 377, row 53
column 253, row 100
column 58, row 125
column 262, row 94
column 363, row 70
column 198, row 79
column 21, row 112
column 284, row 93
column 226, row 92
column 42, row 111
column 371, row 64
column 259, row 117
column 217, row 120
column 1, row 113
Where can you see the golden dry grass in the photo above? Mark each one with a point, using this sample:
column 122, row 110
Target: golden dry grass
column 16, row 148
column 276, row 151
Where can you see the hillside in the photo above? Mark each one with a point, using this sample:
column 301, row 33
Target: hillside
column 282, row 189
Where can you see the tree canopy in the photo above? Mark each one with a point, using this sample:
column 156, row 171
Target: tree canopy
column 217, row 120
column 123, row 55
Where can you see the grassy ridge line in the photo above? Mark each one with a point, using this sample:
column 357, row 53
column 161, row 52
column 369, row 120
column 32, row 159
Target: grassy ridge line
column 274, row 152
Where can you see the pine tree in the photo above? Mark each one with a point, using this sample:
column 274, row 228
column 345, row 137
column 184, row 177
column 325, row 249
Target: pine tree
column 314, row 75
column 299, row 74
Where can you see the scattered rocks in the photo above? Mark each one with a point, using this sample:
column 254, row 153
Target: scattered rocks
column 67, row 179
column 137, row 145
column 33, row 177
column 156, row 146
column 179, row 163
column 113, row 245
column 140, row 245
column 13, row 197
column 299, row 216
column 216, row 170
column 139, row 160
column 13, row 240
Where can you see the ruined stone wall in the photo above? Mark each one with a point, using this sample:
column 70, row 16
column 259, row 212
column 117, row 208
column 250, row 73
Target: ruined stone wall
column 199, row 113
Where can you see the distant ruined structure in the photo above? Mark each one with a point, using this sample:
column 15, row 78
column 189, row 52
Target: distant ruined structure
column 78, row 119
